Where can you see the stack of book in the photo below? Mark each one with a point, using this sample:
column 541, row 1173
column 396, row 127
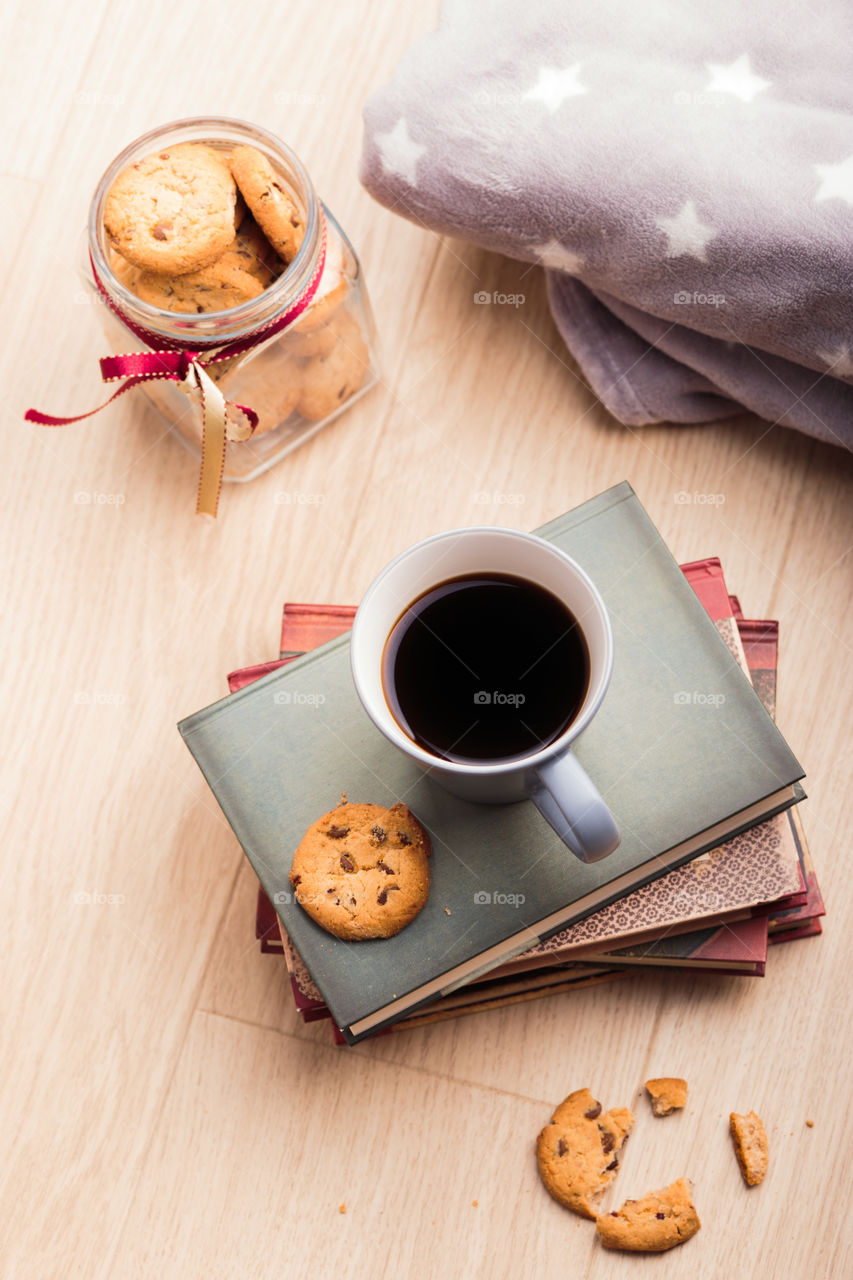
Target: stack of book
column 713, row 865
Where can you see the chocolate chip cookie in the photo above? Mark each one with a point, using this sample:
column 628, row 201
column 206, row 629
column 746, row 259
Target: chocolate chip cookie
column 215, row 288
column 251, row 251
column 125, row 272
column 328, row 381
column 578, row 1152
column 270, row 382
column 331, row 292
column 271, row 204
column 361, row 871
column 659, row 1221
column 173, row 211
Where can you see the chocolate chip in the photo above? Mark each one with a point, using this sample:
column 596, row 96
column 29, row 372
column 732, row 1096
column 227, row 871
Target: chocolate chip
column 594, row 1112
column 330, row 891
column 389, row 871
column 295, row 880
column 613, row 1164
column 383, row 894
column 562, row 1147
column 660, row 1215
column 379, row 834
column 613, row 1213
column 347, row 862
column 337, row 902
column 403, row 838
column 607, row 1142
column 337, row 833
column 160, row 230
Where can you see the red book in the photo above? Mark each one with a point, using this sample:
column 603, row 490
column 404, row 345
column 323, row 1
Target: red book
column 248, row 675
column 305, row 626
column 792, row 919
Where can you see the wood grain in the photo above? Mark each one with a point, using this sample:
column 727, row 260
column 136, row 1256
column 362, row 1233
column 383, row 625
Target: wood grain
column 164, row 1110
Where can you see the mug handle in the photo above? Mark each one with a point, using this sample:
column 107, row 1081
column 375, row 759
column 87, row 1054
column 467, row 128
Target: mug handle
column 567, row 799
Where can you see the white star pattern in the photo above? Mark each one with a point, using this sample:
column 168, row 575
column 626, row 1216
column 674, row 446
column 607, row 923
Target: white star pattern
column 556, row 257
column 555, row 85
column 736, row 78
column 399, row 153
column 840, row 362
column 686, row 234
column 836, row 181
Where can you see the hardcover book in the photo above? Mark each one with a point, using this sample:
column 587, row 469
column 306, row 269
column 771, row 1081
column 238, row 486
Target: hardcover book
column 723, row 948
column 798, row 917
column 726, row 948
column 682, row 750
column 751, row 873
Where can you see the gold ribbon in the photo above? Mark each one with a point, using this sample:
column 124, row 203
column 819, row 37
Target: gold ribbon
column 218, row 425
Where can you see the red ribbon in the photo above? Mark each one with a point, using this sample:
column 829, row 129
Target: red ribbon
column 178, row 363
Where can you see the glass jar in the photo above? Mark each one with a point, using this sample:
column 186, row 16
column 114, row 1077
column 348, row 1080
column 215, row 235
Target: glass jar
column 298, row 380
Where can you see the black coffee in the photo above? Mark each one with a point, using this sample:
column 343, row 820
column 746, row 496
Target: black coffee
column 485, row 667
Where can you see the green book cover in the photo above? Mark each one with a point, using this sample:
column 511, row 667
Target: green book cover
column 682, row 750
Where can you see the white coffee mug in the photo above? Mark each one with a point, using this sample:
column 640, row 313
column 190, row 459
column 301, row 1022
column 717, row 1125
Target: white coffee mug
column 551, row 776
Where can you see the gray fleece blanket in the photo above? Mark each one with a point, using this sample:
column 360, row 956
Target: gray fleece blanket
column 682, row 170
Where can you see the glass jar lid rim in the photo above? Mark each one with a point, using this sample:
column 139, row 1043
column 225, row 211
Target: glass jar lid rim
column 276, row 297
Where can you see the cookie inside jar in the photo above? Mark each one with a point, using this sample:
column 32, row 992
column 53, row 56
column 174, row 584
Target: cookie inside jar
column 321, row 361
column 213, row 236
column 201, row 227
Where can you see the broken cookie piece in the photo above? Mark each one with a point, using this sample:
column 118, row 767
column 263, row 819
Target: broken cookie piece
column 667, row 1094
column 750, row 1139
column 659, row 1221
column 578, row 1152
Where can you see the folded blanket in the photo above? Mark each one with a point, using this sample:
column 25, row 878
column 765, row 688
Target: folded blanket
column 684, row 173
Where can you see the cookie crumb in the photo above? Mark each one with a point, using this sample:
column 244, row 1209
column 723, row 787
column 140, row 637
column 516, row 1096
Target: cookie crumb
column 750, row 1140
column 810, row 1124
column 447, row 911
column 667, row 1094
column 342, row 1208
column 475, row 1203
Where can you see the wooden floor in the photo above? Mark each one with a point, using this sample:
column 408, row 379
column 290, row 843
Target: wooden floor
column 163, row 1110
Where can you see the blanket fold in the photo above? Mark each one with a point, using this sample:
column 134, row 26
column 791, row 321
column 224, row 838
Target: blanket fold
column 683, row 174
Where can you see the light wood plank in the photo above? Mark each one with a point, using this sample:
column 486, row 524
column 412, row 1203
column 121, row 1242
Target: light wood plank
column 153, row 1052
column 324, row 1130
